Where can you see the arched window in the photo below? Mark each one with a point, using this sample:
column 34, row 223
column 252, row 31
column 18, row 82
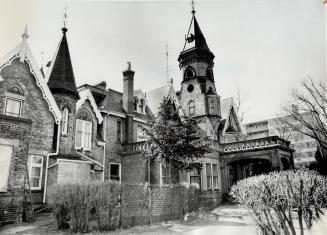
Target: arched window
column 191, row 108
column 209, row 73
column 64, row 121
column 211, row 107
column 141, row 106
column 14, row 101
column 83, row 137
column 135, row 103
column 189, row 73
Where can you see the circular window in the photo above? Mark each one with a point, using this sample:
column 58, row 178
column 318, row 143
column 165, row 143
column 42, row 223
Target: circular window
column 190, row 88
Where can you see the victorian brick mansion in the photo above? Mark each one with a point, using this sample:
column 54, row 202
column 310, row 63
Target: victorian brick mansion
column 57, row 132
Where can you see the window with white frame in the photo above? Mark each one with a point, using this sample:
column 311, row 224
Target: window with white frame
column 64, row 122
column 195, row 177
column 118, row 129
column 212, row 176
column 115, row 171
column 13, row 107
column 165, row 173
column 83, row 138
column 13, row 101
column 35, row 171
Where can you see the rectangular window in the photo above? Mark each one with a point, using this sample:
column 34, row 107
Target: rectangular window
column 209, row 176
column 212, row 176
column 13, row 107
column 5, row 160
column 83, row 138
column 64, row 121
column 118, row 131
column 195, row 177
column 165, row 173
column 35, row 171
column 215, row 175
column 115, row 171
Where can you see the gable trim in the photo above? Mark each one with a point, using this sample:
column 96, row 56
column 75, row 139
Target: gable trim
column 87, row 95
column 23, row 52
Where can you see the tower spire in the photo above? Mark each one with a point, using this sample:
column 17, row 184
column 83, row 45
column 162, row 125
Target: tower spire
column 193, row 7
column 25, row 34
column 64, row 29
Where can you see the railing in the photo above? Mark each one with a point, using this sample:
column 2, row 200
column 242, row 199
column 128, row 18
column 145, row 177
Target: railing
column 255, row 143
column 225, row 147
column 134, row 147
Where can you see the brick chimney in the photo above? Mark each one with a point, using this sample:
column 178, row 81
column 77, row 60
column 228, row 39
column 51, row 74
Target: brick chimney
column 128, row 90
column 128, row 97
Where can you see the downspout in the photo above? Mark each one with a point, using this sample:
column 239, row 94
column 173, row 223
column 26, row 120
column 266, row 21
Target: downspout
column 104, row 147
column 47, row 162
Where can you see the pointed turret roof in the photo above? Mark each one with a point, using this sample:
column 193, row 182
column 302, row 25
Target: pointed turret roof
column 195, row 38
column 195, row 42
column 61, row 76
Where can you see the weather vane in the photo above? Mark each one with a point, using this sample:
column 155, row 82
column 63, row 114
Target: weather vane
column 193, row 6
column 65, row 15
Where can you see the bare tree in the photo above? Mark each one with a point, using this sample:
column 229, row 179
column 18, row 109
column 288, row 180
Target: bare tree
column 308, row 112
column 281, row 128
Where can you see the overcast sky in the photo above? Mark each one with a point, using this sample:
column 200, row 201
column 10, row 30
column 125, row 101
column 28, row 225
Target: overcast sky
column 266, row 47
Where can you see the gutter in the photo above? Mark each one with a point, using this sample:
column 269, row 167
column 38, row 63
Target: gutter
column 90, row 159
column 47, row 163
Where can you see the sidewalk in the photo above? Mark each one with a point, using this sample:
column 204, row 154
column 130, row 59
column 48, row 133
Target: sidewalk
column 42, row 220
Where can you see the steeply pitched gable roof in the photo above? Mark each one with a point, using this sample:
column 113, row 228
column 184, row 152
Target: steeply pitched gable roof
column 23, row 52
column 154, row 98
column 229, row 116
column 61, row 76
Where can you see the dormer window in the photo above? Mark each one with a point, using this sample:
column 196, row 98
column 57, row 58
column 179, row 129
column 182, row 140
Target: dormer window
column 64, row 122
column 189, row 73
column 135, row 103
column 141, row 106
column 191, row 108
column 13, row 101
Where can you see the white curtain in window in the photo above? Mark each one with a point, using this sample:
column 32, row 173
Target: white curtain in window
column 5, row 159
column 83, row 138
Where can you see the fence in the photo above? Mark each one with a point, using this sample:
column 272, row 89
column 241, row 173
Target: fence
column 110, row 206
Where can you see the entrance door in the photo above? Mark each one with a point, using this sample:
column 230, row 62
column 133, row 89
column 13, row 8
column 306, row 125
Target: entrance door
column 5, row 158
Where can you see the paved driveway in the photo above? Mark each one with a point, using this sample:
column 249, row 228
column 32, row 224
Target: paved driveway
column 227, row 220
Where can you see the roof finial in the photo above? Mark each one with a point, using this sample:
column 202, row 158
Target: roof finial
column 129, row 66
column 193, row 6
column 64, row 29
column 25, row 34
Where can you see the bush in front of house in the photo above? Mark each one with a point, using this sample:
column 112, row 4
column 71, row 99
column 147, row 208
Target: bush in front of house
column 75, row 205
column 281, row 202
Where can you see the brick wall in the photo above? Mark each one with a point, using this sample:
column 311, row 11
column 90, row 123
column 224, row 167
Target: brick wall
column 14, row 132
column 34, row 108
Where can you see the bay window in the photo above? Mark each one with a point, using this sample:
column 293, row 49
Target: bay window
column 195, row 177
column 212, row 176
column 165, row 174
